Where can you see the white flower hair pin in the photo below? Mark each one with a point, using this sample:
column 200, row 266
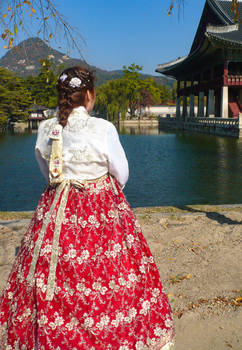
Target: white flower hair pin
column 75, row 82
column 63, row 77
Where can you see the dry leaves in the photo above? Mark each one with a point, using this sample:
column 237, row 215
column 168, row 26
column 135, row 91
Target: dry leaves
column 235, row 302
column 164, row 223
column 178, row 278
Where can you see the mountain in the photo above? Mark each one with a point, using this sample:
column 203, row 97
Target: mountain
column 25, row 60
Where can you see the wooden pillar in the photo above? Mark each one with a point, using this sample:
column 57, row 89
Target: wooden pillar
column 178, row 107
column 178, row 100
column 240, row 96
column 205, row 103
column 201, row 105
column 191, row 112
column 195, row 107
column 217, row 103
column 225, row 73
column 210, row 104
column 178, row 86
column 240, row 121
column 224, row 111
column 191, row 100
column 184, row 109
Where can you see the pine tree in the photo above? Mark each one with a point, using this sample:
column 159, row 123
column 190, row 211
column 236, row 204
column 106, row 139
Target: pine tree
column 15, row 99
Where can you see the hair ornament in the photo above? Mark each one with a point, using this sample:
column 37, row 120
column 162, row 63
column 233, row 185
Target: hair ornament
column 75, row 82
column 63, row 77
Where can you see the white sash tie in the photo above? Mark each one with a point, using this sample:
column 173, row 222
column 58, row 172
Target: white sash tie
column 61, row 196
column 62, row 193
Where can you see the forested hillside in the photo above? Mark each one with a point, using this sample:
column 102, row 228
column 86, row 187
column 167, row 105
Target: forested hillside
column 25, row 59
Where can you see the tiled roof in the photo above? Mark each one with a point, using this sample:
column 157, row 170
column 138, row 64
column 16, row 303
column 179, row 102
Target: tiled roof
column 225, row 7
column 215, row 13
column 217, row 26
column 234, row 36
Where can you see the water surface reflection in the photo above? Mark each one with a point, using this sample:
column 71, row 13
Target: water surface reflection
column 165, row 169
column 138, row 130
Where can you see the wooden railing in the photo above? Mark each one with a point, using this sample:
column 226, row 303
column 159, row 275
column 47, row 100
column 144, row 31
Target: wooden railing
column 216, row 126
column 234, row 79
column 220, row 122
column 224, row 122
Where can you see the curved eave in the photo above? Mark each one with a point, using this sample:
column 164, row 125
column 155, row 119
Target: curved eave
column 165, row 66
column 174, row 68
column 215, row 39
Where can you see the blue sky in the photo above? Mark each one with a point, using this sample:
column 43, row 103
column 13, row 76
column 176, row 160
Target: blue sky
column 119, row 32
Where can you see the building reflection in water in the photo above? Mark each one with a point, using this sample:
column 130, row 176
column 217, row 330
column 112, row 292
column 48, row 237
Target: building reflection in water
column 215, row 165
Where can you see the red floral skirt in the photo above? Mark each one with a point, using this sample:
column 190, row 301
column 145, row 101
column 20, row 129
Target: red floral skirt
column 107, row 289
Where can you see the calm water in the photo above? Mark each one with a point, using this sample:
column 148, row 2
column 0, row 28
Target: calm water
column 165, row 169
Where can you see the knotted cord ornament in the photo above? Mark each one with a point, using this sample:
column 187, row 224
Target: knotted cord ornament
column 56, row 163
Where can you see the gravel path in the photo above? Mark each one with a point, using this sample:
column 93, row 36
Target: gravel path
column 198, row 253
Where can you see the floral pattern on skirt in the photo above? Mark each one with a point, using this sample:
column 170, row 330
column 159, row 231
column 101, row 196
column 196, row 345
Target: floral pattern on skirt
column 108, row 293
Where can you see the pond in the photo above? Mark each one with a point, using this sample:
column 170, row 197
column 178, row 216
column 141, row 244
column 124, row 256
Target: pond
column 166, row 168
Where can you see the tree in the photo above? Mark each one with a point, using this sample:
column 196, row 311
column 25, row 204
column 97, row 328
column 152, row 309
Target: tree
column 18, row 94
column 133, row 86
column 15, row 99
column 129, row 94
column 149, row 94
column 43, row 87
column 111, row 100
column 140, row 92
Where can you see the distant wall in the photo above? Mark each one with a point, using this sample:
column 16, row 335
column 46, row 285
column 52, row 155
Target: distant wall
column 159, row 110
column 164, row 110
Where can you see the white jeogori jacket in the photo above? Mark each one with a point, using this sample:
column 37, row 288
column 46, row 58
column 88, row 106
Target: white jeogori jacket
column 91, row 148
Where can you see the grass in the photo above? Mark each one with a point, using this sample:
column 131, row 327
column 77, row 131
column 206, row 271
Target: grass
column 15, row 215
column 146, row 212
column 187, row 209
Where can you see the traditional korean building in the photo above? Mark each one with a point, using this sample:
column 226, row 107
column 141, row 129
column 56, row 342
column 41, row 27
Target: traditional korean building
column 212, row 71
column 36, row 115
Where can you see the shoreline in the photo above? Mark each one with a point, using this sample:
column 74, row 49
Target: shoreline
column 166, row 210
column 144, row 122
column 22, row 127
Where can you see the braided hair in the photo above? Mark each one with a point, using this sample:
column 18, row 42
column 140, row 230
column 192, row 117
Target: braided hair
column 72, row 87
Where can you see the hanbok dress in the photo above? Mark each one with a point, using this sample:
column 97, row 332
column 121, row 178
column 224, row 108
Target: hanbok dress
column 84, row 277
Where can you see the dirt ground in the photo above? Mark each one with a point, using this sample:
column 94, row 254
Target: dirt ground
column 198, row 252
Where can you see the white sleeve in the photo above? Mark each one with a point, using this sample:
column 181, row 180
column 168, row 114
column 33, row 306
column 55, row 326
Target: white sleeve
column 118, row 164
column 42, row 164
column 41, row 161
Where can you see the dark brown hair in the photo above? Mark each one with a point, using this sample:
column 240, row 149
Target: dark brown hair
column 72, row 87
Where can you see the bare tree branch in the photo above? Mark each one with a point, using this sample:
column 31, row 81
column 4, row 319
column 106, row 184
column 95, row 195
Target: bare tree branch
column 16, row 15
column 175, row 4
column 179, row 4
column 16, row 18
